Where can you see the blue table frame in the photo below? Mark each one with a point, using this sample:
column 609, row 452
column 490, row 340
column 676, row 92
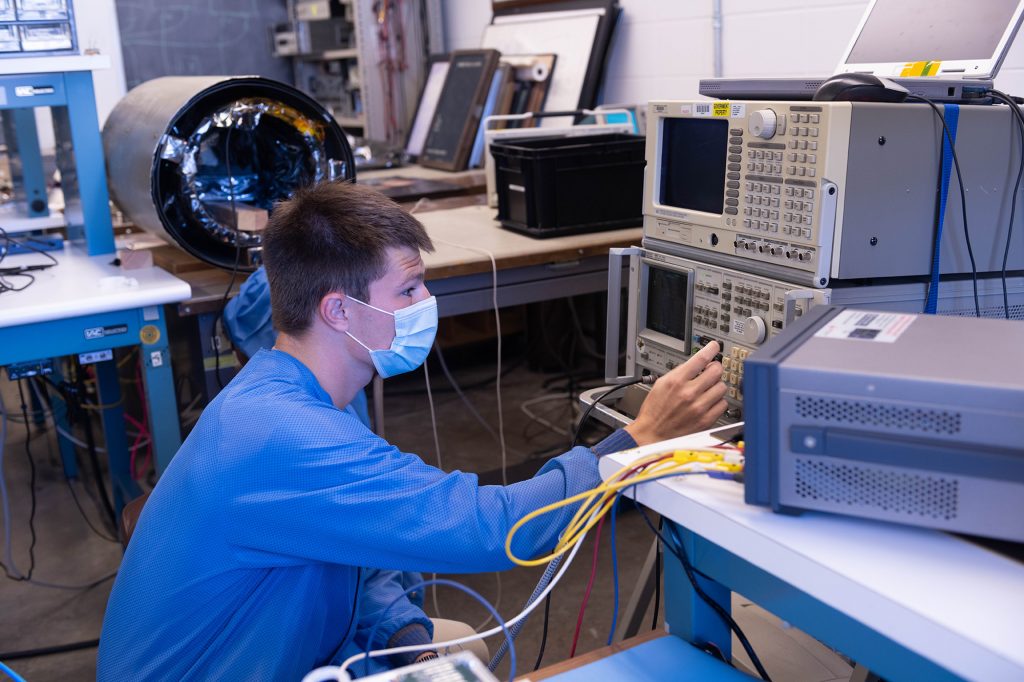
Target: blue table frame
column 143, row 327
column 70, row 95
column 689, row 617
column 904, row 602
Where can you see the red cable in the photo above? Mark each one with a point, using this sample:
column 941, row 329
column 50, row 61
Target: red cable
column 593, row 568
column 145, row 415
column 590, row 585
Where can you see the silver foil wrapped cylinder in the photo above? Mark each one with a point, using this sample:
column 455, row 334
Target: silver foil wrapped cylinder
column 203, row 159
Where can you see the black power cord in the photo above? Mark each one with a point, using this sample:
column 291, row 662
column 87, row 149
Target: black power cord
column 598, row 399
column 90, row 441
column 963, row 197
column 657, row 581
column 544, row 634
column 1015, row 112
column 50, row 650
column 25, row 271
column 680, row 553
column 32, row 484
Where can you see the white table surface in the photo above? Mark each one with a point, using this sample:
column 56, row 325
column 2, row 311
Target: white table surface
column 53, row 64
column 460, row 234
column 84, row 285
column 947, row 599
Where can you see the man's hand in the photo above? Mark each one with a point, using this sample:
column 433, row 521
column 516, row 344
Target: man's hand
column 688, row 399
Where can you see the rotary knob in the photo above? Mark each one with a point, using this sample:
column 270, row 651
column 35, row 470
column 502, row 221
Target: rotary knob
column 754, row 330
column 762, row 123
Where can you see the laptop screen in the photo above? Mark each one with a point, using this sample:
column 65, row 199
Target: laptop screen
column 951, row 37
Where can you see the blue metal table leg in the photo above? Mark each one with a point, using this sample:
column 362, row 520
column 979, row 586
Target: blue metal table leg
column 26, row 161
column 834, row 628
column 163, row 409
column 90, row 167
column 124, row 486
column 59, row 408
column 685, row 612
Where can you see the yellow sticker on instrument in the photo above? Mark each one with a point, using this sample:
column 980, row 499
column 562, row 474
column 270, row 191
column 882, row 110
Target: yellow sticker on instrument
column 149, row 334
column 915, row 69
column 720, row 109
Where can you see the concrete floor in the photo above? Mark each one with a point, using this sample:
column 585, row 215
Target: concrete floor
column 68, row 552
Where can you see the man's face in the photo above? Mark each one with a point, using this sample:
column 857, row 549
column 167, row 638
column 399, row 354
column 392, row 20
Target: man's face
column 400, row 287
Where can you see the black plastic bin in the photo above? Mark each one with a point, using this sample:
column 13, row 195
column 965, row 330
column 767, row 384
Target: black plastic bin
column 553, row 186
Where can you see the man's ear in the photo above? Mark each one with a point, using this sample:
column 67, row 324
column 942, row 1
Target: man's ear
column 333, row 310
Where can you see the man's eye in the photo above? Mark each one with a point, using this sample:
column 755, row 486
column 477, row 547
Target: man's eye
column 409, row 291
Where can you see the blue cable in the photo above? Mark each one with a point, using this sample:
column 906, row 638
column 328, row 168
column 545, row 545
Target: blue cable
column 952, row 117
column 10, row 673
column 614, row 512
column 467, row 590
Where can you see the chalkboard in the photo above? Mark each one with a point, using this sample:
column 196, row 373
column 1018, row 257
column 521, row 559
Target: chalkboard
column 457, row 117
column 200, row 38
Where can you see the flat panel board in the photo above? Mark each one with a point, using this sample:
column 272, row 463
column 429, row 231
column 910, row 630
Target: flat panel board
column 570, row 35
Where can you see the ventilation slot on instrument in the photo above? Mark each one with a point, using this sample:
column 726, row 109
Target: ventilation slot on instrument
column 874, row 414
column 872, row 488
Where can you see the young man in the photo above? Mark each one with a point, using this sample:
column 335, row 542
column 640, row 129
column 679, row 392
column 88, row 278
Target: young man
column 254, row 557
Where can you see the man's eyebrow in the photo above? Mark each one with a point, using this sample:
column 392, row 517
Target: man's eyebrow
column 415, row 276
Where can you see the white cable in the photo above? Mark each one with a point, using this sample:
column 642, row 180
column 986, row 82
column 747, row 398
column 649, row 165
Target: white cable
column 497, row 326
column 455, row 642
column 433, row 417
column 437, row 449
column 462, row 396
column 524, row 408
column 501, row 418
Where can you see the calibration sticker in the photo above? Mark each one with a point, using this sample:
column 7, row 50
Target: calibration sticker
column 867, row 326
column 714, row 109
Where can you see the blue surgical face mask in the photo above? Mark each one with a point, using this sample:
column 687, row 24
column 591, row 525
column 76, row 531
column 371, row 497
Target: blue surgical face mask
column 415, row 327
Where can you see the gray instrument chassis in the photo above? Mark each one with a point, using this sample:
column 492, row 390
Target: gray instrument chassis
column 926, row 430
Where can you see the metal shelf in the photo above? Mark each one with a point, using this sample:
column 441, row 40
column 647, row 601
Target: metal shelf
column 350, row 122
column 330, row 55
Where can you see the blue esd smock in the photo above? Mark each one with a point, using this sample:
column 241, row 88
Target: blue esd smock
column 244, row 561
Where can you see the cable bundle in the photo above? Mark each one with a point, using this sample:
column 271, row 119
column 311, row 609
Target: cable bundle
column 598, row 501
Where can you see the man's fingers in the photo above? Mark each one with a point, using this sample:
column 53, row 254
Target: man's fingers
column 711, row 375
column 710, row 396
column 696, row 364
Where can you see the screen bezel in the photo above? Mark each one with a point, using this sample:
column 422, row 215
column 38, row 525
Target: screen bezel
column 654, row 191
column 648, row 334
column 963, row 68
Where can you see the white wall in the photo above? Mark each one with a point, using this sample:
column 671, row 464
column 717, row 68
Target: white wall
column 662, row 48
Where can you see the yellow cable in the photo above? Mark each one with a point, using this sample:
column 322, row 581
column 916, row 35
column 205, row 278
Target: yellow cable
column 602, row 497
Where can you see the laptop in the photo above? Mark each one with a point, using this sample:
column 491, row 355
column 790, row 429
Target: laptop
column 945, row 50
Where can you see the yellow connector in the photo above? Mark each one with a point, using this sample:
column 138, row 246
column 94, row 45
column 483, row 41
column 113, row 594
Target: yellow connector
column 691, row 456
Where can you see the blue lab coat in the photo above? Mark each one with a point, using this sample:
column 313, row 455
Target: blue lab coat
column 245, row 562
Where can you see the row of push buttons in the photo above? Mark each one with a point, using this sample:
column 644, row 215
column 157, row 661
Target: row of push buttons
column 735, row 166
column 732, row 365
column 765, row 225
column 805, row 118
column 763, row 187
column 798, row 221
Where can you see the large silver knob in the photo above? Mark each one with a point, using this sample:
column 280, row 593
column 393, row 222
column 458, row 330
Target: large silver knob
column 754, row 330
column 762, row 123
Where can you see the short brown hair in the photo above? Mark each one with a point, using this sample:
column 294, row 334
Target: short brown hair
column 331, row 237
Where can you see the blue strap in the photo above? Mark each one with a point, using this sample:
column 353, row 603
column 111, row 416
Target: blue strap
column 952, row 116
